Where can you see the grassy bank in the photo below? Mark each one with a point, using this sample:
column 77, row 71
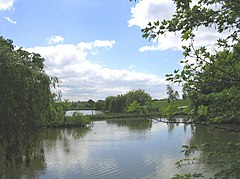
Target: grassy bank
column 156, row 109
column 122, row 116
column 165, row 103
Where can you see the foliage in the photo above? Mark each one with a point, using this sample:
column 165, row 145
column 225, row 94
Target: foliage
column 58, row 110
column 120, row 103
column 90, row 104
column 25, row 100
column 169, row 111
column 139, row 95
column 211, row 82
column 133, row 107
column 114, row 104
column 25, row 87
column 99, row 105
column 202, row 112
column 137, row 108
column 213, row 79
column 222, row 14
column 164, row 103
column 186, row 110
column 77, row 119
column 180, row 106
column 222, row 161
column 188, row 176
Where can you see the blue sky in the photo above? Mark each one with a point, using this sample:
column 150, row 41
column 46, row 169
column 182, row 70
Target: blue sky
column 95, row 47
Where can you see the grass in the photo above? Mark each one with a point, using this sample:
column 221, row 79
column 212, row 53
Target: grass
column 121, row 116
column 155, row 106
column 178, row 103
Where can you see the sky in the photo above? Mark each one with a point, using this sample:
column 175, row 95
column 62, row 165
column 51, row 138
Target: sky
column 96, row 47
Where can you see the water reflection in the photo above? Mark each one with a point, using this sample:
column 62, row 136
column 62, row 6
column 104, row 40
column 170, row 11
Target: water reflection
column 203, row 134
column 116, row 149
column 113, row 149
column 85, row 112
column 21, row 154
column 220, row 151
column 134, row 124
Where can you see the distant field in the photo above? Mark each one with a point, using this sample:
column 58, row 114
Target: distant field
column 180, row 102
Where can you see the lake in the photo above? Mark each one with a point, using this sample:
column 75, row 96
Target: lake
column 116, row 149
column 85, row 112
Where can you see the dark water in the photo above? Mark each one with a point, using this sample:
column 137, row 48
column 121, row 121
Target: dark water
column 116, row 149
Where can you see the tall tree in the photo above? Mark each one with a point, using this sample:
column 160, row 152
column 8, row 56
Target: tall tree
column 25, row 99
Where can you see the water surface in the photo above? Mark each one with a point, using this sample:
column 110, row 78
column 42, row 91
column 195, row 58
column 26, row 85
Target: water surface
column 117, row 149
column 85, row 112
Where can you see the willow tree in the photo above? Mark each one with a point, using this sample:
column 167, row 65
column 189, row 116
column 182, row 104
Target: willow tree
column 25, row 97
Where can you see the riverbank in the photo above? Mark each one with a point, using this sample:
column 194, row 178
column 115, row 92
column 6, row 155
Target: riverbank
column 66, row 125
column 121, row 116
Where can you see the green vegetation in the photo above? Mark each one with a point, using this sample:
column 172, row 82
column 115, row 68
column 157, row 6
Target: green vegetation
column 172, row 106
column 213, row 79
column 27, row 102
column 76, row 120
column 25, row 88
column 58, row 116
column 90, row 104
column 135, row 103
column 211, row 82
column 120, row 103
column 165, row 103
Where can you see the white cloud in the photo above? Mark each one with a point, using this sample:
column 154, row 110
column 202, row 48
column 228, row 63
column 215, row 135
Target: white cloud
column 55, row 39
column 151, row 10
column 82, row 79
column 96, row 43
column 6, row 4
column 10, row 20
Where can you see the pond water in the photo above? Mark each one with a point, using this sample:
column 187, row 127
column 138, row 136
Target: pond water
column 116, row 149
column 86, row 112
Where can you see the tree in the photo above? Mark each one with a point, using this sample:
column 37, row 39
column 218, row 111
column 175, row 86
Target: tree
column 133, row 107
column 139, row 95
column 213, row 79
column 99, row 105
column 172, row 95
column 91, row 102
column 25, row 87
column 25, row 100
column 212, row 82
column 120, row 103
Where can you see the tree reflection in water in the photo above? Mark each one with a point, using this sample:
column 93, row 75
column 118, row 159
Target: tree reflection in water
column 132, row 124
column 22, row 153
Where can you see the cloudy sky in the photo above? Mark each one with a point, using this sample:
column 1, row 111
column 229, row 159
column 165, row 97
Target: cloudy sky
column 95, row 47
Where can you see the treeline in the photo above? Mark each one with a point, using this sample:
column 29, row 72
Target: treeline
column 114, row 104
column 90, row 104
column 137, row 102
column 120, row 103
